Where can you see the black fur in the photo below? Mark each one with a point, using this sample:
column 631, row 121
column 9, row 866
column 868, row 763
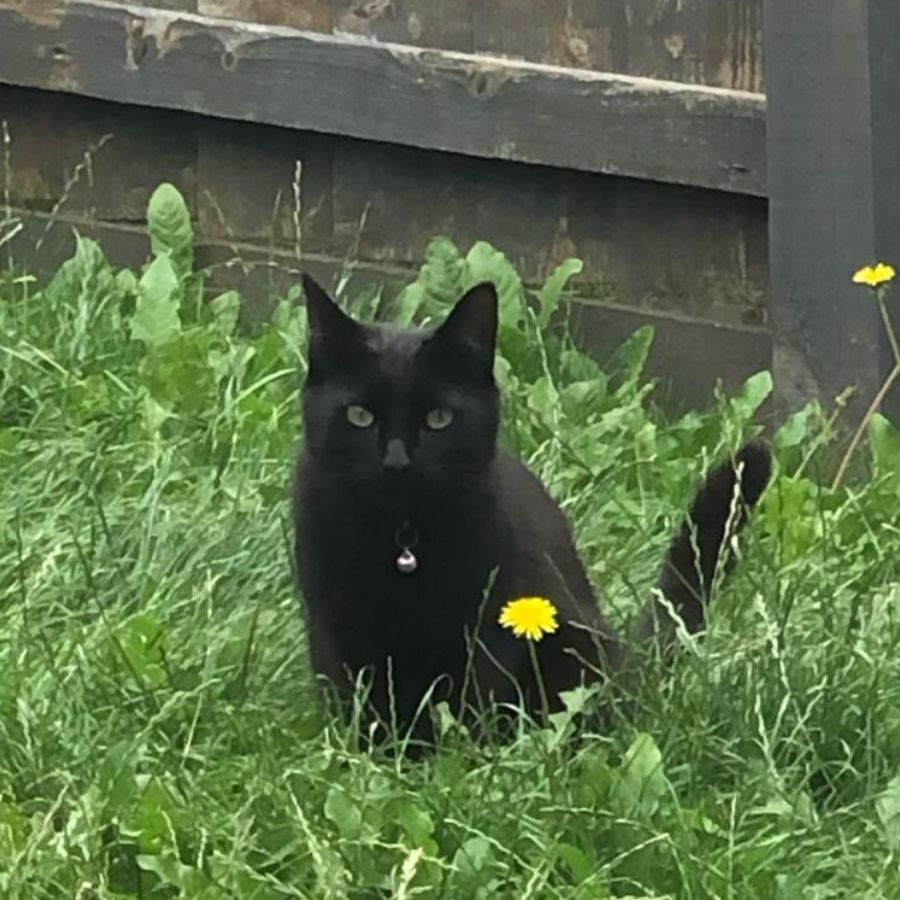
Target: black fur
column 485, row 529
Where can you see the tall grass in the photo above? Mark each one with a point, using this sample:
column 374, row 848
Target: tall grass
column 159, row 735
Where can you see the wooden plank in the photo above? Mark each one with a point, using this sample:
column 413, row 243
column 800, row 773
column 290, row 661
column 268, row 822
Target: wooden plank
column 446, row 24
column 651, row 246
column 833, row 68
column 712, row 42
column 481, row 106
column 95, row 159
column 688, row 355
column 646, row 245
column 669, row 249
column 247, row 180
column 390, row 201
column 313, row 15
column 182, row 5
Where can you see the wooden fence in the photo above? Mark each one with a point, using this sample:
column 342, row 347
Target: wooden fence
column 630, row 133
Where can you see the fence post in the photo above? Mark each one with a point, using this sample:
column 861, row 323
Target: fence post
column 833, row 137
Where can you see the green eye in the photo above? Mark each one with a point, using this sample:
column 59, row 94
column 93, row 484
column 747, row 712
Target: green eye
column 359, row 416
column 438, row 419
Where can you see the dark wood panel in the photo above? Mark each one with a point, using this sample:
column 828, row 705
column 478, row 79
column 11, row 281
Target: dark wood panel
column 834, row 144
column 714, row 42
column 313, row 15
column 96, row 159
column 182, row 5
column 446, row 24
column 247, row 180
column 389, row 201
column 519, row 111
column 646, row 245
column 688, row 356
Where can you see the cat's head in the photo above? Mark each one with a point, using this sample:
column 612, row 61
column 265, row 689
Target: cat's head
column 402, row 410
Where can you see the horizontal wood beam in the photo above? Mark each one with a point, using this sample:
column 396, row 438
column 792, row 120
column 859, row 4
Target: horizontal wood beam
column 686, row 379
column 434, row 99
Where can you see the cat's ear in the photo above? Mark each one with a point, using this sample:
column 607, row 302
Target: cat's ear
column 333, row 335
column 473, row 320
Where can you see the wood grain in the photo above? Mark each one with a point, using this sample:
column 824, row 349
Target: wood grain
column 834, row 145
column 440, row 100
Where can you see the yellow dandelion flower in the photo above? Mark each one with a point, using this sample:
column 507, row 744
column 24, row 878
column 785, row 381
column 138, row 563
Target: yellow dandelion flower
column 873, row 276
column 529, row 617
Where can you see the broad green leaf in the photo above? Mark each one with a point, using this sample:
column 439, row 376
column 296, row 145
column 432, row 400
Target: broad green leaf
column 796, row 430
column 438, row 286
column 408, row 303
column 225, row 309
column 156, row 321
column 641, row 783
column 888, row 808
column 473, row 856
column 140, row 640
column 753, row 393
column 416, row 822
column 884, row 440
column 580, row 865
column 544, row 400
column 549, row 295
column 486, row 263
column 171, row 232
column 341, row 810
column 633, row 355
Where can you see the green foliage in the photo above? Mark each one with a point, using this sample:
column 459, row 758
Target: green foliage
column 171, row 232
column 155, row 320
column 158, row 730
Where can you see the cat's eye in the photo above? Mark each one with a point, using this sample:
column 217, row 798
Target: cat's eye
column 359, row 416
column 439, row 419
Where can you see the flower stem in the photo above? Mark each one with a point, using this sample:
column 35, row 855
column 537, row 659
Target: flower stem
column 889, row 327
column 880, row 295
column 545, row 706
column 857, row 437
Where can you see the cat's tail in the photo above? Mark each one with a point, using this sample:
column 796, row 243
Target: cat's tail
column 699, row 556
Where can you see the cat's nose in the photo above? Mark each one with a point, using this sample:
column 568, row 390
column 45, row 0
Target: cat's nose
column 396, row 459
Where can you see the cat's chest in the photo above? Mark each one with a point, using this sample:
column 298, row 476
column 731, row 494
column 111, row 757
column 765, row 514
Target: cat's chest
column 404, row 572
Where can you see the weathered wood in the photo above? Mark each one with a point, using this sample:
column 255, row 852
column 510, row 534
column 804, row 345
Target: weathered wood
column 247, row 184
column 649, row 246
column 93, row 158
column 833, row 69
column 701, row 253
column 313, row 15
column 713, row 42
column 446, row 24
column 595, row 122
column 688, row 355
column 646, row 245
column 183, row 5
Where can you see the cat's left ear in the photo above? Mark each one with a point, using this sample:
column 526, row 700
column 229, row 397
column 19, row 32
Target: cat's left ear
column 325, row 317
column 473, row 320
column 334, row 338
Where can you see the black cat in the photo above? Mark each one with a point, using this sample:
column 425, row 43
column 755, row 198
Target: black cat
column 413, row 529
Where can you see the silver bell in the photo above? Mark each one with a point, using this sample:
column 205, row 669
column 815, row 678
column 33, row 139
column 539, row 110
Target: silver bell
column 407, row 562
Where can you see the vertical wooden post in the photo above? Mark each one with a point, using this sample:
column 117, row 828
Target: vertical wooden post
column 833, row 85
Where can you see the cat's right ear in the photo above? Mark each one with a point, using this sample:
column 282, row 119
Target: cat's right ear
column 474, row 319
column 333, row 336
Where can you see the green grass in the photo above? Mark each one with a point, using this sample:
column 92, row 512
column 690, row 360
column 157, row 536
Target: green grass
column 159, row 734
